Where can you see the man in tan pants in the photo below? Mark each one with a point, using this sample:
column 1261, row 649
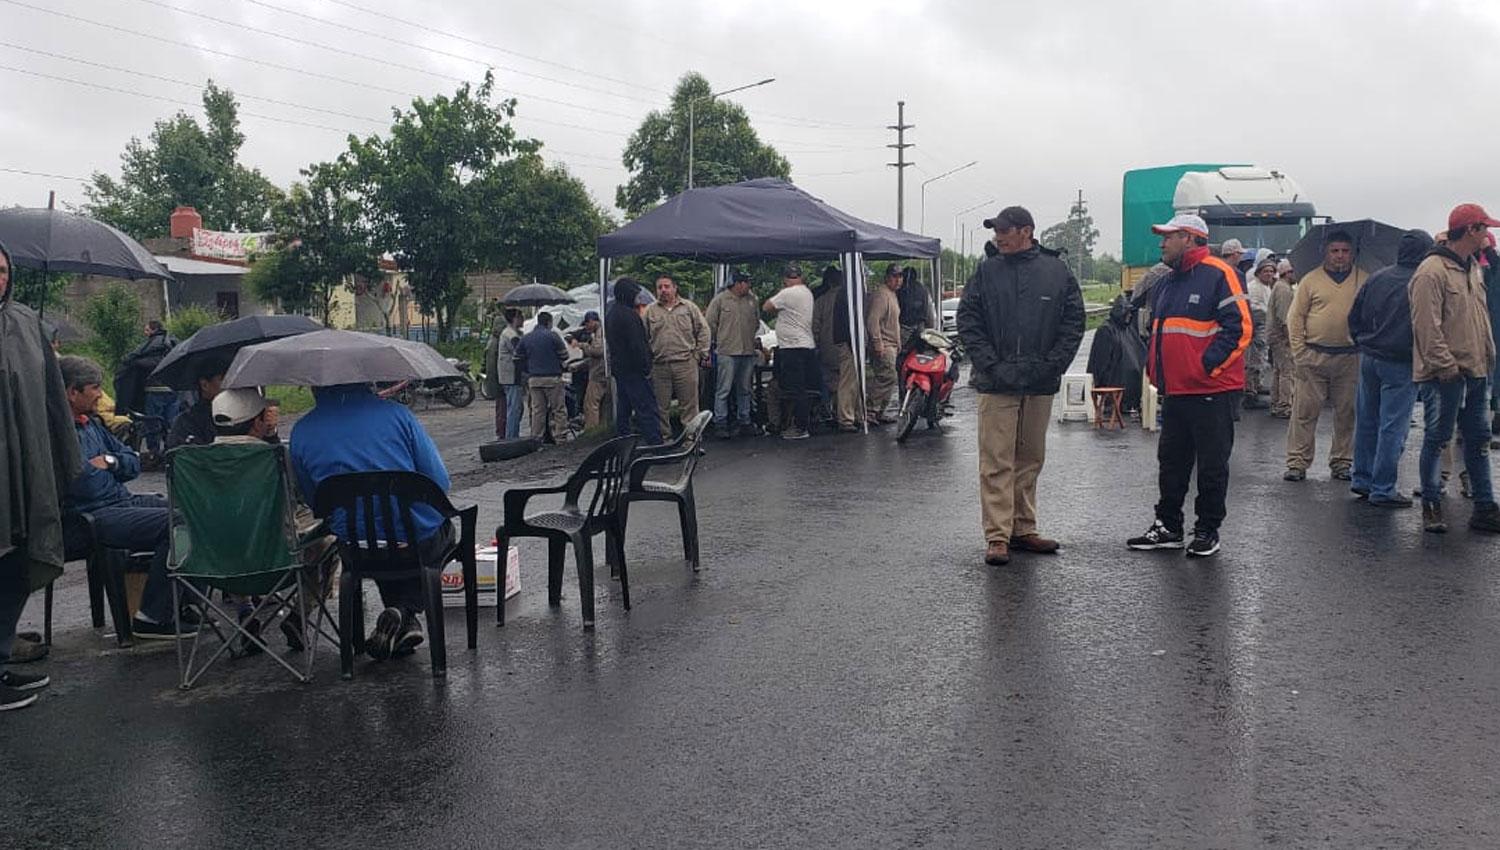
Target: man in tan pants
column 1282, row 367
column 1018, row 359
column 1326, row 357
column 679, row 347
column 883, row 326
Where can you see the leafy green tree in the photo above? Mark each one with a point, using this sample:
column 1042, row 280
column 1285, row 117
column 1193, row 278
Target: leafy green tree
column 726, row 149
column 39, row 290
column 324, row 237
column 1076, row 237
column 186, row 321
column 428, row 185
column 114, row 316
column 1106, row 269
column 545, row 222
column 184, row 162
column 277, row 277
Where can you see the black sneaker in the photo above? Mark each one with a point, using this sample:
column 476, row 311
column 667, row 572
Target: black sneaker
column 380, row 642
column 1294, row 474
column 409, row 638
column 1396, row 501
column 1158, row 536
column 1204, row 543
column 27, row 652
column 24, row 681
column 292, row 630
column 10, row 698
column 159, row 631
column 1432, row 517
column 1486, row 517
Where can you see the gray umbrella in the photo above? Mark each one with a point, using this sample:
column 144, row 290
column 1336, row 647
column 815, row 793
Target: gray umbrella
column 536, row 295
column 328, row 358
column 55, row 241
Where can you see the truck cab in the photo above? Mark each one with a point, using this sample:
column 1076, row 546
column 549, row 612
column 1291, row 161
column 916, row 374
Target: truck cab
column 1261, row 207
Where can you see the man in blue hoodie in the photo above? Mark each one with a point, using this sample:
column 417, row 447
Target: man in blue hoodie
column 353, row 430
column 1380, row 324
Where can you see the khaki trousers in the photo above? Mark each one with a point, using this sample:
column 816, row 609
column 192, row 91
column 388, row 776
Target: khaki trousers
column 880, row 382
column 1282, row 371
column 546, row 400
column 1323, row 377
column 593, row 401
column 1012, row 447
column 847, row 397
column 679, row 379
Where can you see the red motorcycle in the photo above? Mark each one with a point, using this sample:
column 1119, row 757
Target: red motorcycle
column 930, row 375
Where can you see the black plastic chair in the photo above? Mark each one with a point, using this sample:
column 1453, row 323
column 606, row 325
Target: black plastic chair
column 606, row 466
column 683, row 452
column 106, row 570
column 385, row 500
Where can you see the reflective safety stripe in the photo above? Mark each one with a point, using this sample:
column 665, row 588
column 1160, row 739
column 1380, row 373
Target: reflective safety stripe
column 1201, row 333
column 1231, row 299
column 1196, row 324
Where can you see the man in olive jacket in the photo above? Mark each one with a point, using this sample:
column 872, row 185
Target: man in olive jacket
column 1021, row 320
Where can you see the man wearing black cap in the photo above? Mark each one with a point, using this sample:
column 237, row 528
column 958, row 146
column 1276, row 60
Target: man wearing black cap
column 796, row 351
column 733, row 319
column 1021, row 320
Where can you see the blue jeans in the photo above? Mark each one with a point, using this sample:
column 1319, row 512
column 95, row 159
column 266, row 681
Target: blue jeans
column 734, row 374
column 515, row 405
column 162, row 404
column 635, row 409
column 1461, row 403
column 139, row 525
column 1382, row 419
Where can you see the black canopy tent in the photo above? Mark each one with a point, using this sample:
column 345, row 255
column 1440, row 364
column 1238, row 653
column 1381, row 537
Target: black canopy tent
column 767, row 219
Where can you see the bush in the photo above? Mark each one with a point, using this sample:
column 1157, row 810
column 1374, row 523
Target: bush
column 114, row 316
column 189, row 320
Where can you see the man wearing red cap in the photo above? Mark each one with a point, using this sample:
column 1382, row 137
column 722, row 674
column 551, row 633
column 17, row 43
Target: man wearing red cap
column 1453, row 354
column 1200, row 328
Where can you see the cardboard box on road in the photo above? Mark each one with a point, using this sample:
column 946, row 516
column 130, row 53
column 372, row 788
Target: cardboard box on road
column 487, row 562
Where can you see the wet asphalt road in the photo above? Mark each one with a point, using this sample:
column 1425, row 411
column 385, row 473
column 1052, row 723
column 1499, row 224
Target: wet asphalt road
column 846, row 672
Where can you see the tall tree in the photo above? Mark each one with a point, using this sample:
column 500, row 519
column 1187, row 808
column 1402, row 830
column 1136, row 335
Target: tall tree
column 725, row 149
column 322, row 228
column 545, row 222
column 428, row 185
column 184, row 162
column 1076, row 236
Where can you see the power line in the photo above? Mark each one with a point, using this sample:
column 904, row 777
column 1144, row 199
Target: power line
column 43, row 174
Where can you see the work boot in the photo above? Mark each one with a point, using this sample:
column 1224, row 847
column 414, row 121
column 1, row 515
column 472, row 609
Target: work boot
column 997, row 554
column 1486, row 517
column 1432, row 517
column 1035, row 543
column 1340, row 473
column 1294, row 474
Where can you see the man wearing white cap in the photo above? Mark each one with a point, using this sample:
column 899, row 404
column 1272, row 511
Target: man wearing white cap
column 1231, row 252
column 244, row 415
column 1200, row 329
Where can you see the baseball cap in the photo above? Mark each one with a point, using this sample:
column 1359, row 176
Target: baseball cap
column 591, row 316
column 1465, row 215
column 1183, row 223
column 238, row 406
column 1283, row 266
column 791, row 270
column 1011, row 217
column 1231, row 246
column 740, row 277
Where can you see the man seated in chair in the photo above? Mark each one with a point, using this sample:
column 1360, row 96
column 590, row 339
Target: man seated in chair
column 353, row 430
column 122, row 520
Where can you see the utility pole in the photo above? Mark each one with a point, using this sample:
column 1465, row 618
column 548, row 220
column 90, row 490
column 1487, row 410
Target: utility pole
column 900, row 164
column 1076, row 216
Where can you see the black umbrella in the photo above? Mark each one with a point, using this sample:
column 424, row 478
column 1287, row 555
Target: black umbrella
column 328, row 358
column 223, row 341
column 536, row 295
column 55, row 241
column 1375, row 245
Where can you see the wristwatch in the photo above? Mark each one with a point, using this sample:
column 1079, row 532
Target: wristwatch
column 111, row 461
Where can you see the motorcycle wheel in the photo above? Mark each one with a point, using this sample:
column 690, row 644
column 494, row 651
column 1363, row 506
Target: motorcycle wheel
column 459, row 392
column 916, row 402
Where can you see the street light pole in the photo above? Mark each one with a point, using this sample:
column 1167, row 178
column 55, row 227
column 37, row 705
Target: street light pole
column 922, row 228
column 963, row 259
column 691, row 115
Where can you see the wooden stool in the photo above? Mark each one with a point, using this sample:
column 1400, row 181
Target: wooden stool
column 1115, row 397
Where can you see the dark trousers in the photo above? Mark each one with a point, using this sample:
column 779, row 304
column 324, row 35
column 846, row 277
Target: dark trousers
column 635, row 409
column 406, row 594
column 143, row 523
column 15, row 586
column 1195, row 430
column 500, row 411
column 796, row 373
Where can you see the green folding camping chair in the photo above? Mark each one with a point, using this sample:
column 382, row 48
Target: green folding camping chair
column 235, row 532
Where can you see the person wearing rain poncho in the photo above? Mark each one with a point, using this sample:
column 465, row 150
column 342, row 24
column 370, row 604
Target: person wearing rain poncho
column 40, row 454
column 1117, row 356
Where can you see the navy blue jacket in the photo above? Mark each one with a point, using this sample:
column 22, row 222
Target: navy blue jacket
column 1380, row 320
column 541, row 353
column 94, row 488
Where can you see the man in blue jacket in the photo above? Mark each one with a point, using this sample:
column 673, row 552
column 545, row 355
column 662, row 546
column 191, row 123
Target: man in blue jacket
column 542, row 354
column 353, row 430
column 121, row 520
column 1380, row 324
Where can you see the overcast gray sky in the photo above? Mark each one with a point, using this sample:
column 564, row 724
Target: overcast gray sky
column 1378, row 108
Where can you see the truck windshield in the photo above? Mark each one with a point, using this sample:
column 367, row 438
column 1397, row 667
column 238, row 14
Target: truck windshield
column 1279, row 236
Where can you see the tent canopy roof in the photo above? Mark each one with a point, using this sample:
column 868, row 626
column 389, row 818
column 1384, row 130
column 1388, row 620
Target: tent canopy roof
column 764, row 219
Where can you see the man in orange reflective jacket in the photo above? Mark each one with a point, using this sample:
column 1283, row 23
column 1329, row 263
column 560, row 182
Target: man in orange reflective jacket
column 1200, row 328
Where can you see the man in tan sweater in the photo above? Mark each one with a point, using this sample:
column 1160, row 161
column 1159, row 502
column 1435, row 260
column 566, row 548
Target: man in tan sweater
column 679, row 346
column 883, row 323
column 1326, row 357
